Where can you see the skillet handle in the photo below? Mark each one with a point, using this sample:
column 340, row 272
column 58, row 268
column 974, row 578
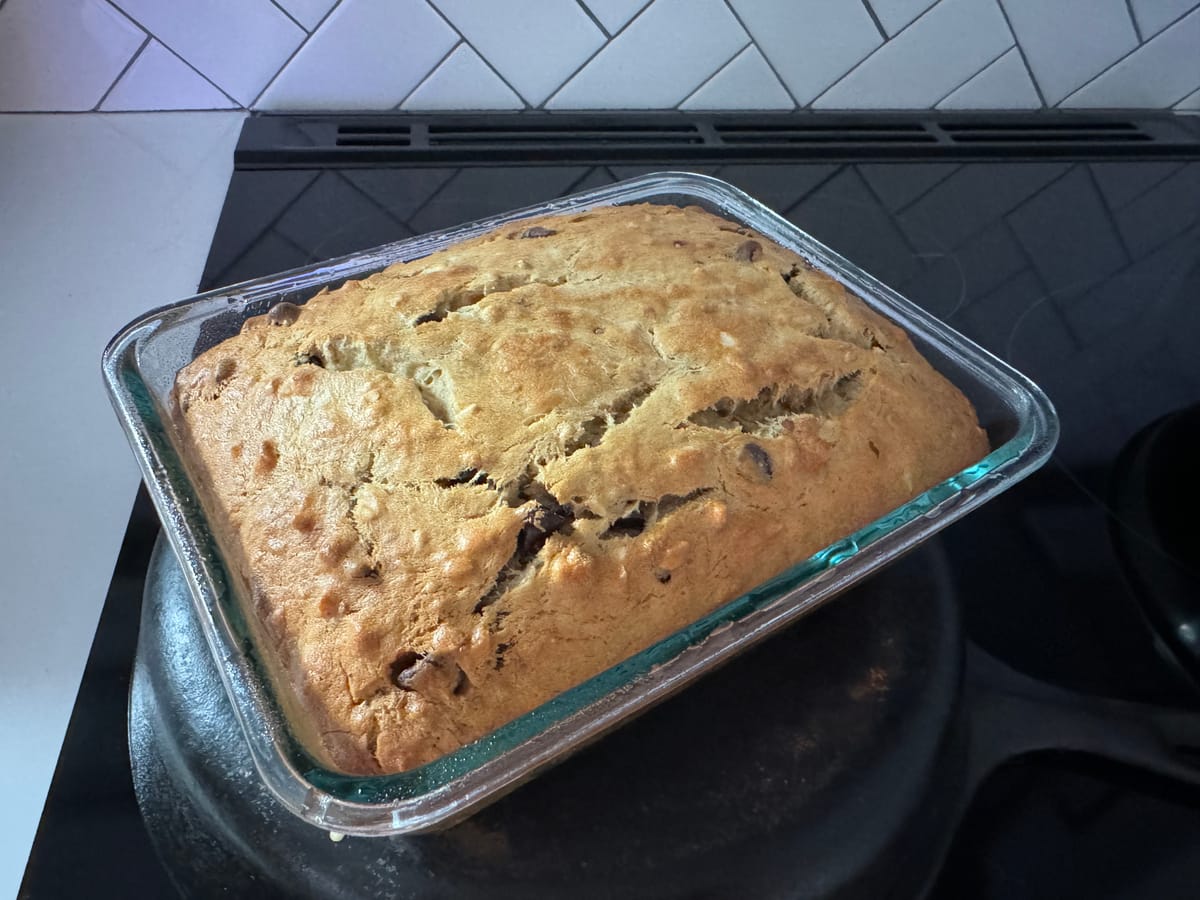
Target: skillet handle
column 1013, row 715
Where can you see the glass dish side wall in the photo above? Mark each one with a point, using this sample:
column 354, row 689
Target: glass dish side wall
column 140, row 366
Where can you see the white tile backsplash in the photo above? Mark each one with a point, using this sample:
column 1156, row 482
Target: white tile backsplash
column 746, row 83
column 535, row 44
column 1152, row 75
column 238, row 44
column 1005, row 84
column 1190, row 103
column 158, row 79
column 62, row 54
column 308, row 13
column 937, row 53
column 462, row 81
column 664, row 55
column 1153, row 16
column 614, row 14
column 811, row 43
column 65, row 55
column 368, row 55
column 1061, row 54
column 894, row 15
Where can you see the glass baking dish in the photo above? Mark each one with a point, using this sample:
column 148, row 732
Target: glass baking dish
column 139, row 367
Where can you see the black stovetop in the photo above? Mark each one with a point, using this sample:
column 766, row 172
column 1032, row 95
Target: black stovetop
column 1083, row 274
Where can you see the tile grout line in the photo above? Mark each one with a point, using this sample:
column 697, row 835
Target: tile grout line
column 874, row 18
column 1151, row 186
column 591, row 15
column 295, row 21
column 922, row 14
column 1137, row 29
column 838, row 169
column 1047, row 293
column 851, row 70
column 340, row 174
column 269, row 227
column 457, row 170
column 1110, row 212
column 253, row 104
column 955, row 168
column 236, row 105
column 972, row 76
column 441, row 62
column 721, row 68
column 637, row 15
column 892, row 223
column 432, row 4
column 1024, row 59
column 1112, row 65
column 224, row 92
column 846, row 74
column 770, row 65
column 1115, row 63
column 128, row 65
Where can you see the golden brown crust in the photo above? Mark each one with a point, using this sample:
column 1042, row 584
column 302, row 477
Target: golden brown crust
column 470, row 482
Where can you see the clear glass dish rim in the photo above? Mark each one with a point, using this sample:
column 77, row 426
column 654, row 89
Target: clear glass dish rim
column 455, row 785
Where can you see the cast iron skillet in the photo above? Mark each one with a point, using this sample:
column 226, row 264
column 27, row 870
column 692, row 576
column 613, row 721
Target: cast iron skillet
column 1154, row 522
column 834, row 761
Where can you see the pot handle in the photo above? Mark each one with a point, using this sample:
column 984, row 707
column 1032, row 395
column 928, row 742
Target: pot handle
column 1013, row 715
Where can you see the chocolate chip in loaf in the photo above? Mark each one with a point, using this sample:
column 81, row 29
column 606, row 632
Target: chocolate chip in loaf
column 308, row 359
column 663, row 575
column 365, row 570
column 283, row 313
column 748, row 251
column 553, row 518
column 537, row 231
column 760, row 459
column 501, row 649
column 405, row 668
column 466, row 476
column 629, row 525
column 462, row 684
column 225, row 369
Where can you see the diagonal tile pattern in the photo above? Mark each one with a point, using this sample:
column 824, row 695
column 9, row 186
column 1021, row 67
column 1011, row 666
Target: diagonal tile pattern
column 158, row 79
column 664, row 55
column 895, row 15
column 614, row 14
column 62, row 54
column 462, row 81
column 789, row 34
column 1005, row 84
column 68, row 55
column 1152, row 16
column 938, row 52
column 369, row 54
column 239, row 45
column 1149, row 76
column 308, row 13
column 746, row 83
column 534, row 45
column 1061, row 54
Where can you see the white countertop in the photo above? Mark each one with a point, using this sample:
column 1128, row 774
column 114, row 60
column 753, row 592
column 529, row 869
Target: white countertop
column 102, row 216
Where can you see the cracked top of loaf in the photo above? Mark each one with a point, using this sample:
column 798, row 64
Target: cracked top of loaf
column 465, row 484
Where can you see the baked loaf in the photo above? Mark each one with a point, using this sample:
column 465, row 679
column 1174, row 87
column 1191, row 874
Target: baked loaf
column 465, row 484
